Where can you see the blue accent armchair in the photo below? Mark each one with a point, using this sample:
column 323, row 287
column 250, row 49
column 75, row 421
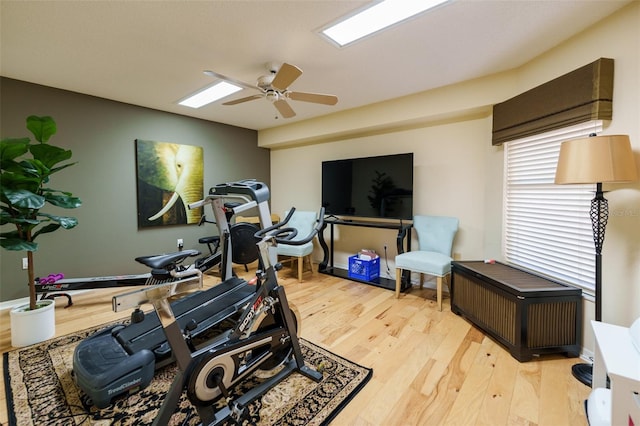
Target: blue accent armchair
column 435, row 238
column 303, row 222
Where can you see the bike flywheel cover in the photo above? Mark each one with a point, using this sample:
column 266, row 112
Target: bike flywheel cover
column 243, row 243
column 203, row 381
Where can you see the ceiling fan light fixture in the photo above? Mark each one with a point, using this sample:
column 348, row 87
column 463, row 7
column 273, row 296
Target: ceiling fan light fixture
column 272, row 95
column 375, row 18
column 220, row 90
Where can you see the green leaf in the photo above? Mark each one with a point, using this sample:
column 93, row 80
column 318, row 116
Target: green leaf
column 10, row 149
column 17, row 244
column 10, row 166
column 24, row 199
column 47, row 229
column 64, row 200
column 49, row 155
column 10, row 234
column 57, row 169
column 15, row 181
column 6, row 217
column 33, row 169
column 41, row 127
column 66, row 222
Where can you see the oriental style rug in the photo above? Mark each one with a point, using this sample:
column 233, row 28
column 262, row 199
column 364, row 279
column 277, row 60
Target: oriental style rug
column 40, row 391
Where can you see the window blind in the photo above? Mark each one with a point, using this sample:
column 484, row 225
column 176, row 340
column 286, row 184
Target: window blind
column 547, row 227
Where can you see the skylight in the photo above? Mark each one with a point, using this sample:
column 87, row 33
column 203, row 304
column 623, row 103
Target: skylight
column 210, row 94
column 377, row 17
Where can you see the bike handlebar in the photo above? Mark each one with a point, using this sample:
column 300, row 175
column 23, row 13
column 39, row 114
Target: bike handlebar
column 284, row 235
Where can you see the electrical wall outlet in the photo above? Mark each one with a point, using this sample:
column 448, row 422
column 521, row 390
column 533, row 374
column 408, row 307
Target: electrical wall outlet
column 25, row 263
column 180, row 243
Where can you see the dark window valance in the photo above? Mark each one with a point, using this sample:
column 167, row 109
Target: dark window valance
column 579, row 96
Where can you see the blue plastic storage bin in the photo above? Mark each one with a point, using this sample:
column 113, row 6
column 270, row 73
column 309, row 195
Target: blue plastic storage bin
column 366, row 270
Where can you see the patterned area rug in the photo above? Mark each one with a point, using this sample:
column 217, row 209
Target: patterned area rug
column 41, row 391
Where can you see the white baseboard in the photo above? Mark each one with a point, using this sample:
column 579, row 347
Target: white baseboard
column 586, row 355
column 23, row 301
column 13, row 303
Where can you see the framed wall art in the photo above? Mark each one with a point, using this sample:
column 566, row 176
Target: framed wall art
column 169, row 178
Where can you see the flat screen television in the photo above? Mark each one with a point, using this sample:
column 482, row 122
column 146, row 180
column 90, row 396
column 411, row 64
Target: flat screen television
column 372, row 187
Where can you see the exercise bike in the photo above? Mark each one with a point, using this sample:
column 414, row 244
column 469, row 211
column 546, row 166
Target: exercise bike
column 263, row 337
column 236, row 240
column 122, row 359
column 243, row 249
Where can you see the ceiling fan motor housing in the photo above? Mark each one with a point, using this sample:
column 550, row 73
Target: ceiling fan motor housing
column 272, row 95
column 264, row 82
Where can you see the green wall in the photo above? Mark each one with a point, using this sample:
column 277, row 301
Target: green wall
column 101, row 134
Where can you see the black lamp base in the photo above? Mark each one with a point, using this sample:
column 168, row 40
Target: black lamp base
column 583, row 372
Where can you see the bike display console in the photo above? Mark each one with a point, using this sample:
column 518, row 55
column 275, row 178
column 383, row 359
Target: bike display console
column 327, row 265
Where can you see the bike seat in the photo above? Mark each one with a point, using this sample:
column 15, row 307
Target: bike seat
column 161, row 261
column 209, row 240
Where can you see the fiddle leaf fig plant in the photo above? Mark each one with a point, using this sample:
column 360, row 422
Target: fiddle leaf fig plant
column 26, row 168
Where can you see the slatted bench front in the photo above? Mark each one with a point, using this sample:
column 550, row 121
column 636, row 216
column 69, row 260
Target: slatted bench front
column 528, row 314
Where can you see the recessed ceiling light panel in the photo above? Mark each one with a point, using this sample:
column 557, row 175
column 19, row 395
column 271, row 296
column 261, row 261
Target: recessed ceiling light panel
column 213, row 93
column 375, row 18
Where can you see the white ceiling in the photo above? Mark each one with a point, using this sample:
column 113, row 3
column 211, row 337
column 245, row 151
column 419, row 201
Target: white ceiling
column 152, row 53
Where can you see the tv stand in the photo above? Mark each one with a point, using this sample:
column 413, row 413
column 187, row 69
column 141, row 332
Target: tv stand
column 327, row 265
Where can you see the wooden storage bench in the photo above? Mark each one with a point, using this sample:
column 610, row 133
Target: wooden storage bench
column 528, row 314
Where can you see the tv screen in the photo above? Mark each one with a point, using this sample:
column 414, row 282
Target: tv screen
column 374, row 187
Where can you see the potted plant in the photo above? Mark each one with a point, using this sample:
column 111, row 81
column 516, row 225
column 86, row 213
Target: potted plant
column 26, row 168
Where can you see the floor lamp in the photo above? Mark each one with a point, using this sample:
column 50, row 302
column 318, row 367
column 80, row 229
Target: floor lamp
column 596, row 159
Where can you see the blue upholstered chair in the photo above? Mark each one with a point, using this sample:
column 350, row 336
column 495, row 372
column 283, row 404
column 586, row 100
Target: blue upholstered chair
column 303, row 222
column 435, row 238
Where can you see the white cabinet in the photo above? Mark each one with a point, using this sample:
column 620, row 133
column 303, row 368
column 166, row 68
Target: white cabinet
column 618, row 358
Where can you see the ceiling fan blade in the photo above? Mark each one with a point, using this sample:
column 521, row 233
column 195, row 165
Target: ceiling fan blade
column 241, row 100
column 286, row 75
column 231, row 80
column 284, row 108
column 317, row 98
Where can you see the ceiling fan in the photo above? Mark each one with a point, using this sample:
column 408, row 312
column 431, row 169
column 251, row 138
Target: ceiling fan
column 275, row 88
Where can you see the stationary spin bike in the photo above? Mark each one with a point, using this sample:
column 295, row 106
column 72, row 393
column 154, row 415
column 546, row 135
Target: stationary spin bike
column 264, row 337
column 123, row 358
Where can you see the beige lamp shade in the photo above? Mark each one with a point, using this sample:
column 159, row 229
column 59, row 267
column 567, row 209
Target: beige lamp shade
column 596, row 159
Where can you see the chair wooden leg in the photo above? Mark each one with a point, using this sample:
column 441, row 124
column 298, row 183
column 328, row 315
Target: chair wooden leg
column 398, row 282
column 421, row 280
column 310, row 264
column 300, row 265
column 439, row 292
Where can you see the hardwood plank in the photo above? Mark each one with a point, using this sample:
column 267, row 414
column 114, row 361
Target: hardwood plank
column 430, row 367
column 556, row 384
column 495, row 405
column 525, row 403
column 468, row 374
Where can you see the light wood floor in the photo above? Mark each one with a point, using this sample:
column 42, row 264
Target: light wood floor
column 430, row 367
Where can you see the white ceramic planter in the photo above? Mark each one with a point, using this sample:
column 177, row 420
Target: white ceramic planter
column 30, row 327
